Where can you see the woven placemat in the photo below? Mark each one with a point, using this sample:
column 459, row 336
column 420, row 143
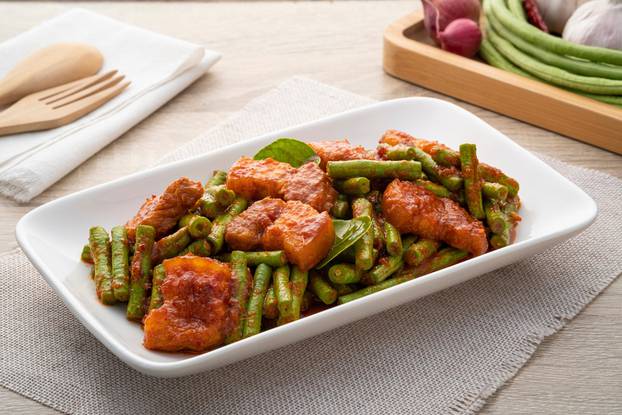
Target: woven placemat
column 445, row 353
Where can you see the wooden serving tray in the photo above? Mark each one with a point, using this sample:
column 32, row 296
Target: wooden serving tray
column 410, row 55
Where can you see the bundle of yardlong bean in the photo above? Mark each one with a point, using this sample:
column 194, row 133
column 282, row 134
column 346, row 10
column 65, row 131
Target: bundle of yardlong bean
column 513, row 44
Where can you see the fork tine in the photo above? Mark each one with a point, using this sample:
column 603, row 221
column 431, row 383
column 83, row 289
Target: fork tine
column 59, row 89
column 87, row 104
column 85, row 92
column 55, row 94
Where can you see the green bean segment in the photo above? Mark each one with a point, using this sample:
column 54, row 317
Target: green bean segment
column 99, row 244
column 120, row 264
column 373, row 169
column 343, row 274
column 420, row 251
column 341, row 208
column 385, row 268
column 299, row 280
column 494, row 191
column 200, row 247
column 274, row 259
column 355, row 186
column 393, row 239
column 254, row 312
column 172, row 245
column 270, row 305
column 85, row 255
column 159, row 275
column 322, row 289
column 472, row 184
column 442, row 259
column 283, row 292
column 217, row 233
column 364, row 247
column 241, row 277
column 199, row 227
column 140, row 271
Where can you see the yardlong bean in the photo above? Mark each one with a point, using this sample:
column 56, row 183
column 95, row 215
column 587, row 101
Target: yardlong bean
column 472, row 184
column 299, row 280
column 557, row 45
column 254, row 312
column 552, row 74
column 496, row 59
column 374, row 169
column 140, row 271
column 364, row 247
column 581, row 67
column 241, row 278
column 99, row 243
column 283, row 292
column 120, row 263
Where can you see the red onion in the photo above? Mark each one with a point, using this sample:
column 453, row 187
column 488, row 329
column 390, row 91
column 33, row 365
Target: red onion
column 534, row 16
column 461, row 36
column 439, row 13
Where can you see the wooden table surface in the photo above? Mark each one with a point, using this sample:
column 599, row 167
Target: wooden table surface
column 576, row 371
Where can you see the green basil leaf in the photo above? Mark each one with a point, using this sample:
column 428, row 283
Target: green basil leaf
column 347, row 232
column 288, row 150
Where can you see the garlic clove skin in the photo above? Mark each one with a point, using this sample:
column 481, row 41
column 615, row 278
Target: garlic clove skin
column 557, row 12
column 597, row 23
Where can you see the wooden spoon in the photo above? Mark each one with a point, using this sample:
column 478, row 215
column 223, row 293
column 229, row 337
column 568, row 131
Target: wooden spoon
column 52, row 66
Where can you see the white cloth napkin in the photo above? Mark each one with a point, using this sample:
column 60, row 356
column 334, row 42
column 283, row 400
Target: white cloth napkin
column 159, row 67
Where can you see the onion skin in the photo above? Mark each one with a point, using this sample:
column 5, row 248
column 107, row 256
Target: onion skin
column 534, row 16
column 461, row 36
column 438, row 14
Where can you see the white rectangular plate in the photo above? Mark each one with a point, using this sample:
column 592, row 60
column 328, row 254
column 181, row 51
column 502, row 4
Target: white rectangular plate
column 554, row 209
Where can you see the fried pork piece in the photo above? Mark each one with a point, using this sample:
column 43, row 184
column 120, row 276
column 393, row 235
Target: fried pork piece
column 413, row 209
column 246, row 230
column 305, row 235
column 256, row 179
column 337, row 150
column 198, row 310
column 310, row 185
column 162, row 212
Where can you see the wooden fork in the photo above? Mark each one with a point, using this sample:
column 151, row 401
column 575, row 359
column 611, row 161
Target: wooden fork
column 61, row 105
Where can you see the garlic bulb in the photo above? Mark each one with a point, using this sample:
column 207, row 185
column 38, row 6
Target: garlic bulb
column 597, row 23
column 556, row 12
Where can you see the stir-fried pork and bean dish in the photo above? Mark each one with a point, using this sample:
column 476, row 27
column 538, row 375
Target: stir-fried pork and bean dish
column 294, row 230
